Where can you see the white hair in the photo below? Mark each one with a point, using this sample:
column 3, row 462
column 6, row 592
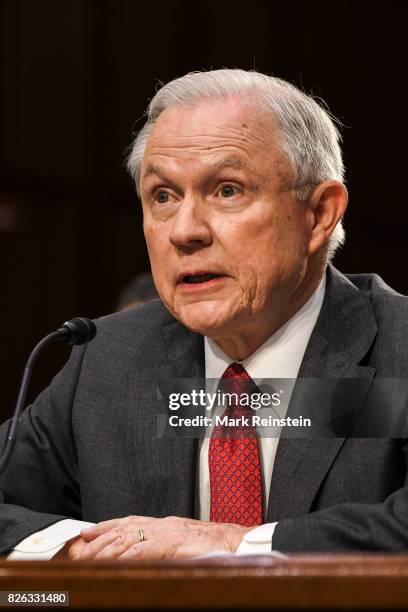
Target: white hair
column 308, row 135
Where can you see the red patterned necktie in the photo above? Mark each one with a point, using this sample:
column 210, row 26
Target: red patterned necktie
column 234, row 458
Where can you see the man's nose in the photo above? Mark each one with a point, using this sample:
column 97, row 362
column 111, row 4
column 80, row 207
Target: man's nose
column 191, row 230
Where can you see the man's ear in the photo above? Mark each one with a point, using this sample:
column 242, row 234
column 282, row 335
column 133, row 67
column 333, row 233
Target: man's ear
column 328, row 202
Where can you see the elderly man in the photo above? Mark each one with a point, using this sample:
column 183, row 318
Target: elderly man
column 240, row 177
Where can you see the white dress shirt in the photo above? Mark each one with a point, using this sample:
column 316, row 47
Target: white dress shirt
column 279, row 357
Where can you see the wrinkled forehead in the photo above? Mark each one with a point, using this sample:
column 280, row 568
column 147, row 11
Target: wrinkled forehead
column 212, row 131
column 216, row 111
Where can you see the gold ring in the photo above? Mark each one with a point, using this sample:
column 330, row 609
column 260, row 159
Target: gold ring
column 141, row 535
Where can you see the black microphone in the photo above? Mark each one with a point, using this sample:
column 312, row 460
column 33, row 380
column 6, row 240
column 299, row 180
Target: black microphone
column 74, row 331
column 77, row 331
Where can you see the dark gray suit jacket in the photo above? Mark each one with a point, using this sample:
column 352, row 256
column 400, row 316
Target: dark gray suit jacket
column 87, row 447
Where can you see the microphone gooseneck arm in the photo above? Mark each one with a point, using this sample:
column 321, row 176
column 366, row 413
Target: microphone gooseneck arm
column 75, row 331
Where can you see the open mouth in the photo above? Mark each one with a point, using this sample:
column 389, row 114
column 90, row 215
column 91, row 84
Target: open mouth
column 195, row 279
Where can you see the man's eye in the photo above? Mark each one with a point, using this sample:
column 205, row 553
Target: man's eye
column 227, row 191
column 162, row 196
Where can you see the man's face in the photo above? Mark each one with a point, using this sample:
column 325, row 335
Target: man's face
column 226, row 236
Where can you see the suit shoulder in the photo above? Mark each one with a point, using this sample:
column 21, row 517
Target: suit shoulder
column 142, row 316
column 374, row 286
column 387, row 303
column 134, row 332
column 390, row 310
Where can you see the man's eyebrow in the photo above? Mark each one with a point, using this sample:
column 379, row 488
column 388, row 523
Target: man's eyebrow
column 158, row 170
column 153, row 168
column 230, row 162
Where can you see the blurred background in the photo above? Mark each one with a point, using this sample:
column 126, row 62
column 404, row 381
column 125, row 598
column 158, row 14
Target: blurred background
column 75, row 78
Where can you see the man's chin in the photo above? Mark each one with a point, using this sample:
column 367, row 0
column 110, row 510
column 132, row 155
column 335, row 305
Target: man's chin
column 207, row 318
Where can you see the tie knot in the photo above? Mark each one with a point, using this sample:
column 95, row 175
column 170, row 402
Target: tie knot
column 237, row 380
column 236, row 371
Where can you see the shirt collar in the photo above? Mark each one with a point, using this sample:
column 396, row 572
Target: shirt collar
column 280, row 356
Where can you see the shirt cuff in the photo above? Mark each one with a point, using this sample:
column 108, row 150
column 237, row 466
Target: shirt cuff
column 46, row 543
column 258, row 541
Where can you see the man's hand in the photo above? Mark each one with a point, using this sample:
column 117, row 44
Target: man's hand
column 166, row 538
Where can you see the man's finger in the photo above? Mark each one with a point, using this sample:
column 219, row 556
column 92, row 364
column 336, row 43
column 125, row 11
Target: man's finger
column 93, row 548
column 146, row 550
column 118, row 546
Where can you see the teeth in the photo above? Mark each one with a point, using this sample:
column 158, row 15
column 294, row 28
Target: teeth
column 199, row 278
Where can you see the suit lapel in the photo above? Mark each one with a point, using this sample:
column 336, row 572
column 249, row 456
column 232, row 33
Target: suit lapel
column 167, row 477
column 342, row 337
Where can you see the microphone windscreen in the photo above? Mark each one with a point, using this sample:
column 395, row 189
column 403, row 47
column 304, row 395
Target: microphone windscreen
column 80, row 330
